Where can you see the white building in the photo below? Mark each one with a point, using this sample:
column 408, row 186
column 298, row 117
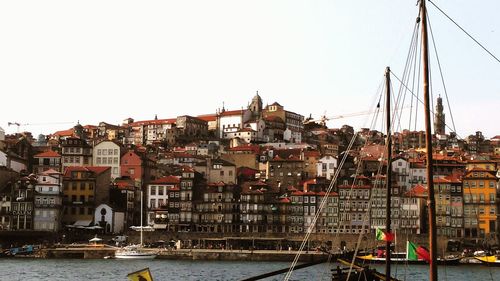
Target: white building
column 401, row 167
column 326, row 166
column 48, row 201
column 107, row 154
column 232, row 121
column 157, row 200
column 111, row 220
column 3, row 158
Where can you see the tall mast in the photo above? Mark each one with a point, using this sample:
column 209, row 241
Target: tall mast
column 428, row 144
column 141, row 216
column 389, row 172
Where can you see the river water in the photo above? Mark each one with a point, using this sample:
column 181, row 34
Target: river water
column 110, row 270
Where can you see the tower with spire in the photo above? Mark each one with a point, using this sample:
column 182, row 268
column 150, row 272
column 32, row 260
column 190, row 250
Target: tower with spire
column 256, row 105
column 439, row 119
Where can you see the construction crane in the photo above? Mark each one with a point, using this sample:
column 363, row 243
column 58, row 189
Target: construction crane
column 18, row 124
column 323, row 119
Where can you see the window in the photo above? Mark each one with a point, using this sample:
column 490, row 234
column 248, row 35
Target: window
column 73, row 186
column 98, row 152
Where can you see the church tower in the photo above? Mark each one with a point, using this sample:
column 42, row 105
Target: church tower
column 256, row 106
column 439, row 120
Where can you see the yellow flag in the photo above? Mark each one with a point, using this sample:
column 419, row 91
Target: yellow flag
column 141, row 275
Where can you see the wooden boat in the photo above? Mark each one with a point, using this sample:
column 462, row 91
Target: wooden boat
column 489, row 260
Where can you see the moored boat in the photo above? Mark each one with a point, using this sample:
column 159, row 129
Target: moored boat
column 489, row 260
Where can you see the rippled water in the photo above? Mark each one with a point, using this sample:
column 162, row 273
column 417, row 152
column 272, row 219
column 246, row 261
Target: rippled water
column 110, row 270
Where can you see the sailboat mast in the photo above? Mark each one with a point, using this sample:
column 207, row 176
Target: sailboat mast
column 428, row 144
column 389, row 172
column 141, row 217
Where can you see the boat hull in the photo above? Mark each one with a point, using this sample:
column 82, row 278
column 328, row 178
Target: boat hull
column 135, row 256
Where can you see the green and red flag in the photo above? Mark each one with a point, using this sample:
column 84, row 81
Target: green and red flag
column 384, row 236
column 414, row 252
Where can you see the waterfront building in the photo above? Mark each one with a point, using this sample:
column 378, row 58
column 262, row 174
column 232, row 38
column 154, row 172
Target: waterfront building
column 296, row 212
column 187, row 182
column 161, row 201
column 449, row 206
column 123, row 195
column 480, row 202
column 354, row 199
column 378, row 200
column 413, row 216
column 84, row 189
column 48, row 201
column 216, row 209
column 22, row 203
column 110, row 218
column 284, row 171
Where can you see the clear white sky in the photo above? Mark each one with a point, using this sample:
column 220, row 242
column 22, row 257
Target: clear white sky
column 63, row 61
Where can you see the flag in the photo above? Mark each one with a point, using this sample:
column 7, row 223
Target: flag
column 414, row 252
column 384, row 236
column 141, row 275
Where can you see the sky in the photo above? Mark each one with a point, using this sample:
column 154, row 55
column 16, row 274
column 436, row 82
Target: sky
column 89, row 61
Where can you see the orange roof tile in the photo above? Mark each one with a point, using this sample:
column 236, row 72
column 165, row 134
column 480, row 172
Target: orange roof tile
column 166, row 180
column 47, row 154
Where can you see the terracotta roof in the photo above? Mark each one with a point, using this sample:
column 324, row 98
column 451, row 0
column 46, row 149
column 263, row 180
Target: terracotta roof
column 94, row 169
column 254, row 148
column 284, row 200
column 50, row 172
column 153, row 122
column 166, row 180
column 208, row 118
column 311, row 153
column 232, row 112
column 64, row 133
column 297, row 193
column 47, row 154
column 417, row 190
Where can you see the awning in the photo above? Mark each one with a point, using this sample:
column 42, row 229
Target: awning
column 83, row 223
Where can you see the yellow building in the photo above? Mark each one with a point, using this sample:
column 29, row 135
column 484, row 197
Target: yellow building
column 480, row 212
column 84, row 189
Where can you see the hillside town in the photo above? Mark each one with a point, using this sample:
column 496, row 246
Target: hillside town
column 255, row 170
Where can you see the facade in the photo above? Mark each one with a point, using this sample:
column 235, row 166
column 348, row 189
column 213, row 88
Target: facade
column 110, row 219
column 107, row 154
column 354, row 200
column 284, row 172
column 326, row 167
column 22, row 203
column 217, row 170
column 449, row 206
column 158, row 200
column 49, row 160
column 231, row 122
column 84, row 189
column 186, row 199
column 48, row 201
column 480, row 209
column 75, row 153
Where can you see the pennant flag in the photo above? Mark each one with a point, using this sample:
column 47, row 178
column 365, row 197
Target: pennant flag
column 384, row 236
column 424, row 254
column 411, row 251
column 414, row 252
column 141, row 275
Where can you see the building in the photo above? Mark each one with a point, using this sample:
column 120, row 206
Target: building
column 84, row 189
column 413, row 214
column 48, row 201
column 439, row 118
column 48, row 160
column 354, row 200
column 229, row 122
column 294, row 123
column 216, row 210
column 284, row 171
column 449, row 206
column 187, row 182
column 158, row 200
column 326, row 167
column 480, row 205
column 107, row 154
column 22, row 203
column 112, row 220
column 217, row 170
column 75, row 153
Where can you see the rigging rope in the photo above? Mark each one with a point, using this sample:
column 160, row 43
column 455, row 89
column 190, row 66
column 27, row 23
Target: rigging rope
column 441, row 74
column 470, row 36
